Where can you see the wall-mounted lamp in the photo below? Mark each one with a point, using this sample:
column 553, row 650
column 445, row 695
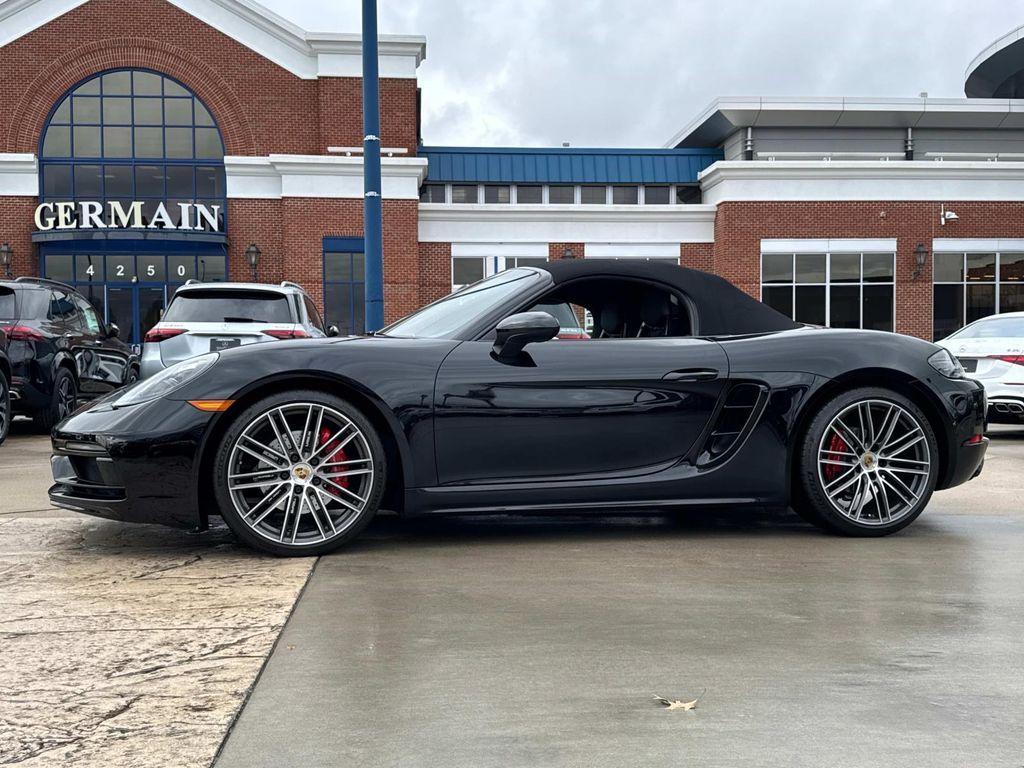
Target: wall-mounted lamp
column 253, row 253
column 920, row 256
column 568, row 253
column 6, row 257
column 945, row 215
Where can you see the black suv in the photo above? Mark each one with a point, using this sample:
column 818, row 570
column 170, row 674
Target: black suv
column 60, row 351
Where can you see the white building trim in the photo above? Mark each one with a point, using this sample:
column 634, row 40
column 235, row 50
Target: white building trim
column 322, row 176
column 631, row 251
column 812, row 180
column 441, row 223
column 817, row 245
column 977, row 244
column 19, row 175
column 305, row 54
column 504, row 250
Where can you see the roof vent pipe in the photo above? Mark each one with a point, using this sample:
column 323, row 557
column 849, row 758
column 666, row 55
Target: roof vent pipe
column 908, row 145
column 748, row 145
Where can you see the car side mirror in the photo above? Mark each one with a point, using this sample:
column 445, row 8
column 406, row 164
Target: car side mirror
column 516, row 331
column 113, row 331
column 332, row 331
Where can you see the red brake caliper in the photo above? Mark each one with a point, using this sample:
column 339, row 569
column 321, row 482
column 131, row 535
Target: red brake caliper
column 835, row 445
column 338, row 455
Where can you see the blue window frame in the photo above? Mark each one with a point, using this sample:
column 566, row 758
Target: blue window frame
column 345, row 283
column 133, row 134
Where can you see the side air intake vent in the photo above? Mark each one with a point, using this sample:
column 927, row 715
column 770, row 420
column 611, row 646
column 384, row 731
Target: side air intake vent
column 734, row 420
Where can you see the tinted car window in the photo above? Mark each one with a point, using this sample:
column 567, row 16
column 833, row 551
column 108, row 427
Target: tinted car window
column 88, row 313
column 62, row 309
column 314, row 316
column 31, row 304
column 562, row 312
column 8, row 304
column 229, row 307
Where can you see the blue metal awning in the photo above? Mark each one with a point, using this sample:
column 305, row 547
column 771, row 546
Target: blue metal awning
column 566, row 165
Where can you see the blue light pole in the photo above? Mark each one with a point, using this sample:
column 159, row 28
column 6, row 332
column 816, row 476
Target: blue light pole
column 372, row 224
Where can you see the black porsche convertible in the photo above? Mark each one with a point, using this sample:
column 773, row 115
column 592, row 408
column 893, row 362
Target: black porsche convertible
column 686, row 392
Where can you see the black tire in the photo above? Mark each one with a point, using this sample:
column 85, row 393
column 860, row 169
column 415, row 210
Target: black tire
column 228, row 501
column 62, row 402
column 891, row 486
column 5, row 408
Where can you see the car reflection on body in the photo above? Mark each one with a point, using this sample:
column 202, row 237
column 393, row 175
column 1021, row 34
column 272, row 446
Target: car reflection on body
column 689, row 394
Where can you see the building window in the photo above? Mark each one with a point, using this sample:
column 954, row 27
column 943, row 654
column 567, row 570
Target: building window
column 656, row 195
column 529, row 194
column 344, row 284
column 133, row 135
column 970, row 286
column 432, row 193
column 688, row 194
column 561, row 194
column 497, row 193
column 464, row 193
column 592, row 194
column 625, row 195
column 840, row 290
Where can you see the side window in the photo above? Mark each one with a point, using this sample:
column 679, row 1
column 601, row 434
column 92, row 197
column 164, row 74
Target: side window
column 610, row 308
column 62, row 308
column 314, row 316
column 88, row 312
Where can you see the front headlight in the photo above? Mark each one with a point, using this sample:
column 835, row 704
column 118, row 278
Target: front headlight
column 168, row 380
column 944, row 362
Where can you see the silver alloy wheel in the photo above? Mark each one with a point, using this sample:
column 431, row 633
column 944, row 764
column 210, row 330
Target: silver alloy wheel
column 300, row 474
column 66, row 398
column 874, row 462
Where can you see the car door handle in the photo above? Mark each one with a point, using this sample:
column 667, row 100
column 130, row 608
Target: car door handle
column 691, row 374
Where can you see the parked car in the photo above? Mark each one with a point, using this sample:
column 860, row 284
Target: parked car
column 690, row 394
column 991, row 350
column 210, row 317
column 60, row 350
column 5, row 381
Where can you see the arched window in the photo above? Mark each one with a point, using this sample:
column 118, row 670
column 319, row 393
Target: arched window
column 142, row 140
column 133, row 135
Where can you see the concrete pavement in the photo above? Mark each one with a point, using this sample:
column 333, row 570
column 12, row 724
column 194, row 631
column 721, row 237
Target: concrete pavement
column 540, row 642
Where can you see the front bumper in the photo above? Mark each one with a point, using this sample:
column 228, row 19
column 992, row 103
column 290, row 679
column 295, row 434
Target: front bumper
column 137, row 464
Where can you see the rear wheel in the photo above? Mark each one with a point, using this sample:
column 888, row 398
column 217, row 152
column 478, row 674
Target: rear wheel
column 299, row 474
column 63, row 401
column 868, row 465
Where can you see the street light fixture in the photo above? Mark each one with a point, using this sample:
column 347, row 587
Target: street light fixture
column 920, row 255
column 253, row 253
column 6, row 257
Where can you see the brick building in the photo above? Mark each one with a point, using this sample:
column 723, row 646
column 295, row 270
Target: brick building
column 147, row 142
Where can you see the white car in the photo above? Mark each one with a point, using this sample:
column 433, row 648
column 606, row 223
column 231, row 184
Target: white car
column 991, row 350
column 209, row 317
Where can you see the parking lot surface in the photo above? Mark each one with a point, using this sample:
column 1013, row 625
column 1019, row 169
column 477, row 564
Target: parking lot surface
column 517, row 641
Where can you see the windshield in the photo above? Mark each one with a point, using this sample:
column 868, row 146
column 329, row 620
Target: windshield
column 993, row 328
column 443, row 318
column 228, row 307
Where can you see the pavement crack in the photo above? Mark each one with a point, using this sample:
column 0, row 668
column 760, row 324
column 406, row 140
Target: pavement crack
column 190, row 561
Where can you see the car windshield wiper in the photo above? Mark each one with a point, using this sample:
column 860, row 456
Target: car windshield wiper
column 243, row 320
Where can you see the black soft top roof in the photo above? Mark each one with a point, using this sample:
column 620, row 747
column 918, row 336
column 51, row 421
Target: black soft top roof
column 722, row 308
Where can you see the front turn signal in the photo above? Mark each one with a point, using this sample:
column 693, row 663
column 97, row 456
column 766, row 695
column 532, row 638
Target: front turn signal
column 211, row 406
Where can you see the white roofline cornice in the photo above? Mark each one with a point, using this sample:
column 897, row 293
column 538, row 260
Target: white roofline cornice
column 305, row 54
column 278, row 176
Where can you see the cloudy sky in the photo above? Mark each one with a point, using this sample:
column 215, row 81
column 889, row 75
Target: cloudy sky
column 633, row 72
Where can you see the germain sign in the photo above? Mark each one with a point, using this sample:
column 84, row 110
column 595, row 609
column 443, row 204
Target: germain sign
column 193, row 217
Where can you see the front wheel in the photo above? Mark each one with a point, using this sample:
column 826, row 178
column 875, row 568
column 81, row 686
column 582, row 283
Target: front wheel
column 5, row 407
column 299, row 474
column 868, row 464
column 63, row 401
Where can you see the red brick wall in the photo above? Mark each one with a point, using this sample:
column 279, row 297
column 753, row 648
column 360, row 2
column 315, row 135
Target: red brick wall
column 16, row 228
column 740, row 226
column 261, row 108
column 697, row 256
column 557, row 250
column 435, row 270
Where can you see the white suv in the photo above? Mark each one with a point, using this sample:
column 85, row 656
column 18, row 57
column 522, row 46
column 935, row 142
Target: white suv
column 208, row 317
